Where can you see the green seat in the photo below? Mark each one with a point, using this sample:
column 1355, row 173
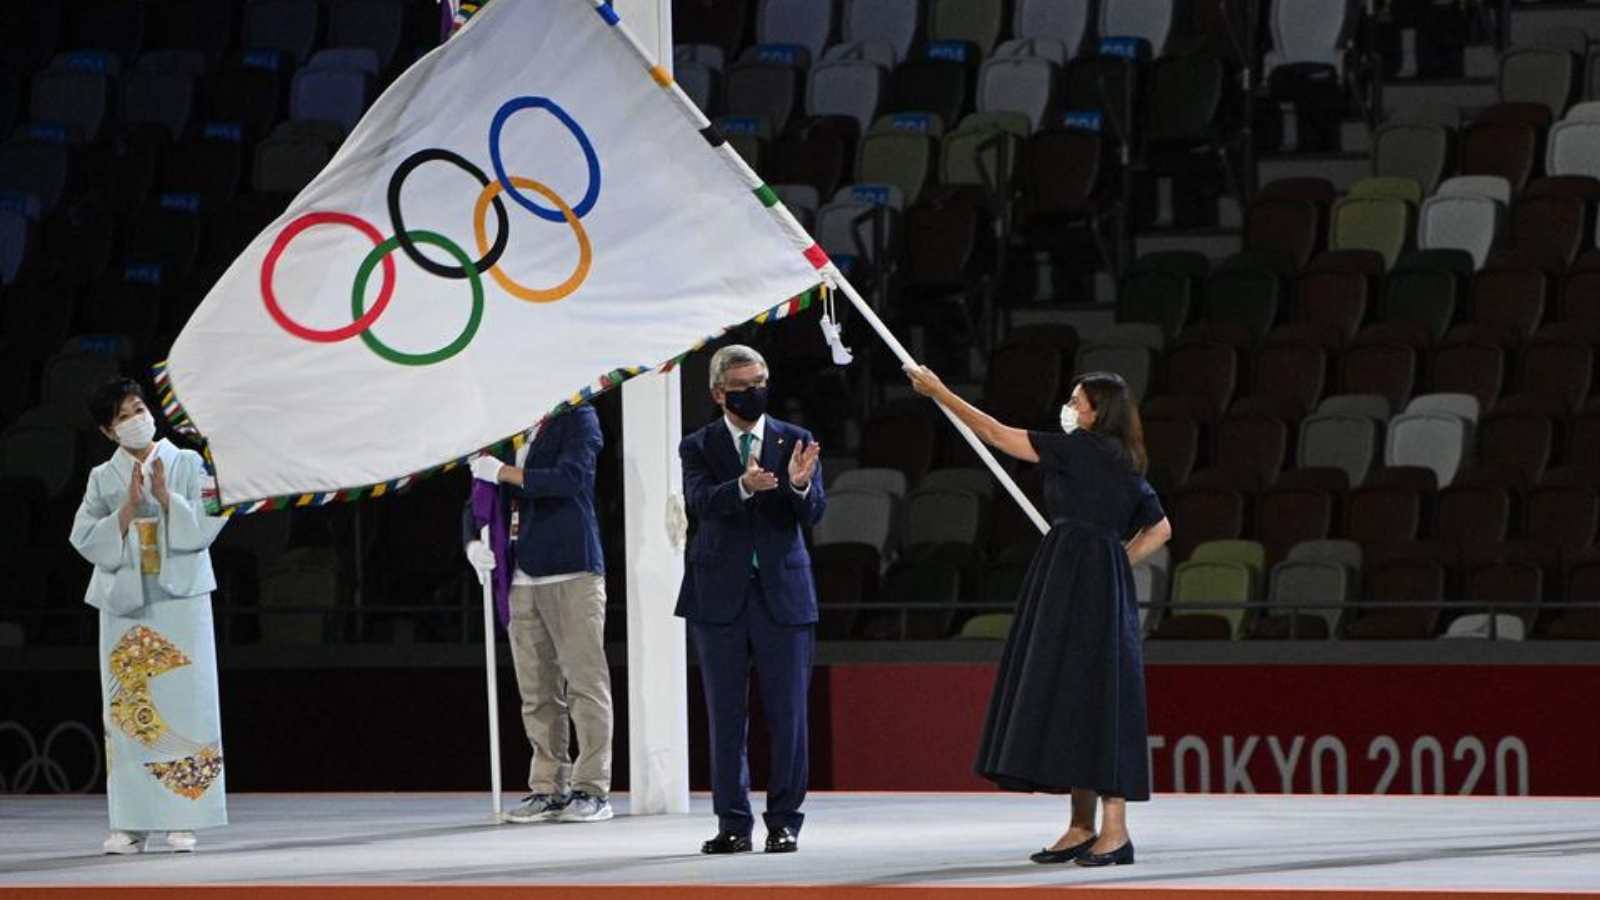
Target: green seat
column 1372, row 223
column 1388, row 187
column 977, row 22
column 987, row 627
column 1246, row 298
column 1006, row 120
column 1425, row 298
column 1161, row 288
column 980, row 155
column 901, row 158
column 1416, row 151
column 1221, row 586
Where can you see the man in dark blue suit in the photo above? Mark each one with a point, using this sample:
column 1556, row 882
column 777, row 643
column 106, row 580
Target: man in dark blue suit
column 751, row 484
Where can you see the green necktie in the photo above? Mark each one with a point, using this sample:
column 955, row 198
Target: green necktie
column 746, row 441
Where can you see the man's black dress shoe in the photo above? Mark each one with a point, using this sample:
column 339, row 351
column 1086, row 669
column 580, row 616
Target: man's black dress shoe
column 727, row 843
column 784, row 840
column 1048, row 857
column 1122, row 856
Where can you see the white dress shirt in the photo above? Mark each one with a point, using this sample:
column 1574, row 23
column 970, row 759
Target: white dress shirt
column 760, row 432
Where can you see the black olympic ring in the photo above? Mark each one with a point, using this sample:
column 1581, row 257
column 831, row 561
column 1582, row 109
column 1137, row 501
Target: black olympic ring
column 40, row 761
column 397, row 180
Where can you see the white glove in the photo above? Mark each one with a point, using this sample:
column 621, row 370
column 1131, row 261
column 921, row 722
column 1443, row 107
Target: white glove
column 487, row 468
column 482, row 559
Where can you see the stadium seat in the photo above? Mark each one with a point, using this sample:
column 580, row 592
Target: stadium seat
column 1466, row 407
column 1423, row 293
column 203, row 27
column 1473, row 514
column 897, row 23
column 1201, row 514
column 17, row 239
column 285, row 163
column 1560, row 369
column 1470, row 222
column 718, row 23
column 1514, row 588
column 1291, row 228
column 1386, row 370
column 1381, row 513
column 1063, row 170
column 1136, row 365
column 1019, row 84
column 1538, row 75
column 1387, row 188
column 1371, row 223
column 287, row 26
column 1161, row 288
column 899, row 440
column 983, row 154
column 1507, row 149
column 861, row 226
column 1420, row 152
column 1414, row 581
column 1438, row 441
column 165, row 99
column 1574, row 148
column 851, row 89
column 1582, row 584
column 1348, row 443
column 1153, row 21
column 1291, row 372
column 807, row 24
column 1255, row 448
column 376, row 25
column 766, row 91
column 978, row 23
column 1520, row 442
column 1174, row 448
column 42, row 454
column 1207, row 372
column 330, row 95
column 1245, row 299
column 1509, row 300
column 110, row 25
column 857, row 516
column 702, row 83
column 1023, row 385
column 1069, row 22
column 1288, row 515
column 75, row 92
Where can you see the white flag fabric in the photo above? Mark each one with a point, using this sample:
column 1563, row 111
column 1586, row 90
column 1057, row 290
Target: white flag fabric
column 531, row 209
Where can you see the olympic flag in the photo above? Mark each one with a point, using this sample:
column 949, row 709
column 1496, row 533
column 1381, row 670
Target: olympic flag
column 532, row 212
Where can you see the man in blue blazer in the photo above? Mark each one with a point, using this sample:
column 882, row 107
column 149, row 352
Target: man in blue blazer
column 548, row 537
column 751, row 483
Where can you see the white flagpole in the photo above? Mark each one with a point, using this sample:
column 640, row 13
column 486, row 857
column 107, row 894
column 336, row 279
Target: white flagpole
column 905, row 357
column 493, row 688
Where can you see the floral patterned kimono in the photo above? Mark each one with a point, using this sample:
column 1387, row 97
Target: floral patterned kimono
column 158, row 656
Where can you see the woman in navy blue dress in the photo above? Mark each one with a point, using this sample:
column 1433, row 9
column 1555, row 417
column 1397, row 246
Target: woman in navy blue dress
column 1068, row 711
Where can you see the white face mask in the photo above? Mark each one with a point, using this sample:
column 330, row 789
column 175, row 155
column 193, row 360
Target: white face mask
column 1069, row 418
column 136, row 433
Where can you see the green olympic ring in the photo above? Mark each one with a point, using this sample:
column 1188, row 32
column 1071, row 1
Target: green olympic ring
column 358, row 306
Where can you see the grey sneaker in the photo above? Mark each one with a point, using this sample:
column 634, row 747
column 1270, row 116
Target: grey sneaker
column 538, row 808
column 586, row 808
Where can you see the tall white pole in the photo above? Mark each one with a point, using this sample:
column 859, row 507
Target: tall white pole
column 905, row 358
column 652, row 423
column 493, row 687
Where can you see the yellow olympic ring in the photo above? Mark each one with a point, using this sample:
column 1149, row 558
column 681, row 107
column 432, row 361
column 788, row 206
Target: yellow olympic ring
column 532, row 295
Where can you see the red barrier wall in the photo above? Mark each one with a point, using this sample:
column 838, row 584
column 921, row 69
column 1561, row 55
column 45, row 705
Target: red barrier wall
column 1259, row 729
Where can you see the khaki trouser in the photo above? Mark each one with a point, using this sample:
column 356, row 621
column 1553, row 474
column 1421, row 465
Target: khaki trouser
column 558, row 647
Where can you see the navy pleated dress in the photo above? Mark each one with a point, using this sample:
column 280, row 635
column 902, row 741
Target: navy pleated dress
column 1068, row 709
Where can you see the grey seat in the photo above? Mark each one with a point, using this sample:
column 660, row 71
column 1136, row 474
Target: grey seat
column 1150, row 589
column 800, row 199
column 762, row 90
column 173, row 61
column 709, row 55
column 1034, row 48
column 856, row 517
column 1067, row 21
column 286, row 163
column 16, row 242
column 1329, row 550
column 78, row 98
column 1134, row 364
column 42, row 454
column 1470, row 222
column 897, row 23
column 1437, row 441
column 1371, row 406
column 699, row 81
column 1325, row 588
column 849, row 88
column 1417, row 151
column 888, row 481
column 1574, row 148
column 975, row 481
column 940, row 516
column 1464, row 406
column 158, row 98
column 376, row 25
column 1343, row 442
column 37, row 169
column 69, row 376
column 1023, row 84
column 1537, row 75
column 1478, row 185
column 804, row 22
column 847, row 228
column 1134, row 334
column 287, row 26
column 330, row 95
column 1152, row 20
column 1311, row 31
column 1570, row 38
column 352, row 59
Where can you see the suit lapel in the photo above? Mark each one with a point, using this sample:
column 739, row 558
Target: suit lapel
column 772, row 447
column 719, row 441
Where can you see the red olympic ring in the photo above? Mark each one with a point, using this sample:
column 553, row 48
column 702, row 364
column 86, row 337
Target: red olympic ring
column 270, row 264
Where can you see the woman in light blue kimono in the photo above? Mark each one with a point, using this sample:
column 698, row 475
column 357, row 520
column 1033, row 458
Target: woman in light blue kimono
column 143, row 526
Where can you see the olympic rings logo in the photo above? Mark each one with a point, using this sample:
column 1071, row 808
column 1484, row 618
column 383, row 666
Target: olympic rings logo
column 466, row 268
column 40, row 760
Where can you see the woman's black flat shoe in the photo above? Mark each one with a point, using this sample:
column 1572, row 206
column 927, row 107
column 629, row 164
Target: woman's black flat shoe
column 1122, row 856
column 1048, row 857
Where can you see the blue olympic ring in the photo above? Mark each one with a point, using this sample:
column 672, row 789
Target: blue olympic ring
column 582, row 207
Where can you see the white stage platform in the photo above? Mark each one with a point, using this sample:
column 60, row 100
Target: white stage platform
column 853, row 845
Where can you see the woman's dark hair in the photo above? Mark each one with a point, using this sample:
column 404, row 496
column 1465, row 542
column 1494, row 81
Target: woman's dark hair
column 1115, row 415
column 105, row 399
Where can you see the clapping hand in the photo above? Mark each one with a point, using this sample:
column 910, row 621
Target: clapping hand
column 158, row 483
column 136, row 488
column 756, row 479
column 802, row 463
